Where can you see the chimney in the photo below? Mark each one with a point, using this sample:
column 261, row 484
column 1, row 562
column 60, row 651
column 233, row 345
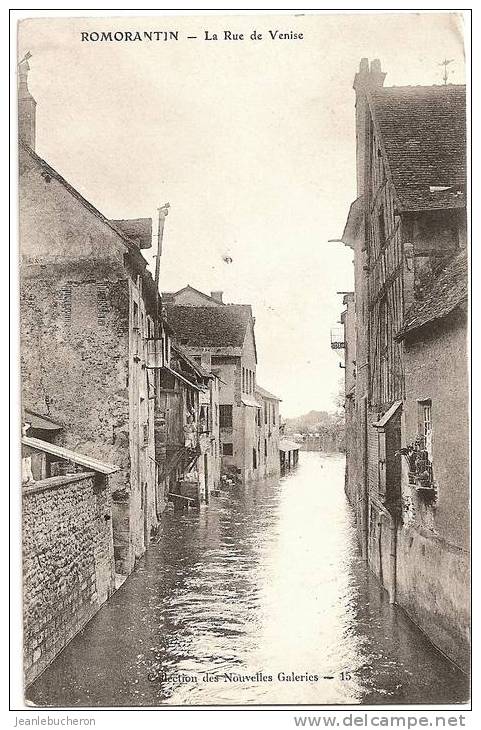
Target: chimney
column 217, row 295
column 368, row 77
column 26, row 105
column 206, row 359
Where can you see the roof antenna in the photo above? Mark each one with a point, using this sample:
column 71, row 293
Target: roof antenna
column 446, row 63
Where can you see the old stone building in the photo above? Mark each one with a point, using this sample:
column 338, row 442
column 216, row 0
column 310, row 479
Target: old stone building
column 92, row 341
column 67, row 547
column 406, row 369
column 87, row 310
column 267, row 433
column 105, row 390
column 435, row 463
column 203, row 324
column 187, row 430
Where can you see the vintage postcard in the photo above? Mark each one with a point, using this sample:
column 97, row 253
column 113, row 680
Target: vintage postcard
column 244, row 268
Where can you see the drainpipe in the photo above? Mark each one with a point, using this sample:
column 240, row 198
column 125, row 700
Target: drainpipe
column 392, row 560
column 364, row 485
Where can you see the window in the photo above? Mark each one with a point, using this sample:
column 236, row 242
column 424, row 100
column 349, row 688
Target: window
column 227, row 449
column 243, row 380
column 265, row 412
column 265, row 448
column 225, row 413
column 254, row 458
column 426, row 426
column 166, row 348
column 136, row 331
column 150, row 328
column 274, row 414
column 204, row 418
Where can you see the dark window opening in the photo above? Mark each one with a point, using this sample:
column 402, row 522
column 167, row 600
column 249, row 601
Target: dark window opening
column 227, row 449
column 225, row 414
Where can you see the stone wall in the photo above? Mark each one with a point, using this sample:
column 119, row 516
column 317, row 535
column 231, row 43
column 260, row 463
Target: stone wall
column 74, row 355
column 433, row 588
column 436, row 369
column 68, row 562
column 433, row 583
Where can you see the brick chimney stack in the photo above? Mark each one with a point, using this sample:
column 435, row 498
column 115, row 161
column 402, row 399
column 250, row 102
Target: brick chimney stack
column 26, row 105
column 368, row 78
column 206, row 359
column 217, row 295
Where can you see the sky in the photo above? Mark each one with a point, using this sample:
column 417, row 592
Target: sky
column 252, row 142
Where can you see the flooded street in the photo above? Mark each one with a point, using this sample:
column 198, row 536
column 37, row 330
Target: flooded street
column 260, row 598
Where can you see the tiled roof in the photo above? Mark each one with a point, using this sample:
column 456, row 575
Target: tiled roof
column 286, row 445
column 169, row 297
column 423, row 131
column 448, row 291
column 138, row 230
column 196, row 367
column 266, row 394
column 37, row 421
column 354, row 228
column 210, row 326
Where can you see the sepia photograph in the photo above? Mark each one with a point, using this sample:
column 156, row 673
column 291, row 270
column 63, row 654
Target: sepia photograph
column 244, row 325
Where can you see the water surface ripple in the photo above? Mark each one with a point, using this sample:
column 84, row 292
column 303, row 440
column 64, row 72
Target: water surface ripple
column 266, row 581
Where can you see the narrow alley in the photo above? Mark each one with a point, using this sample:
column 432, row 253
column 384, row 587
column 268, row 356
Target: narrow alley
column 259, row 598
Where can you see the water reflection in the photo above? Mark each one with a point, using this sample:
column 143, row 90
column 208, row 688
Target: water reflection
column 261, row 598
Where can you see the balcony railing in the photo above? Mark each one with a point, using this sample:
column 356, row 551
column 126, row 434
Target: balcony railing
column 337, row 338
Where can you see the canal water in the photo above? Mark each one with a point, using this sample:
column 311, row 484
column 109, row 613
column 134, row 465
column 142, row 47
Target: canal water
column 261, row 598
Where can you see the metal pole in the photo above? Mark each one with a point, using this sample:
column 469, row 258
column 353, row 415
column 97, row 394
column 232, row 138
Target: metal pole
column 163, row 213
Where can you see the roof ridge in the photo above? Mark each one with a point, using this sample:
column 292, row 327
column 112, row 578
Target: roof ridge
column 418, row 86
